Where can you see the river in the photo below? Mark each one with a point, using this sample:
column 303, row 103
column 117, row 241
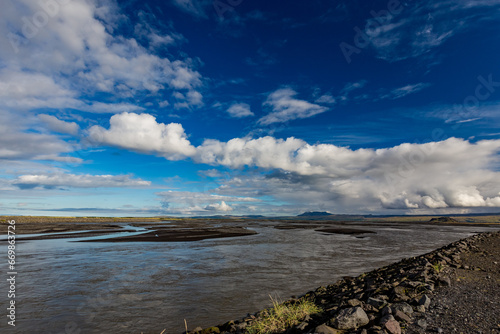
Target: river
column 65, row 286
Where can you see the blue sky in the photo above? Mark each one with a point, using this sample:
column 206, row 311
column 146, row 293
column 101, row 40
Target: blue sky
column 184, row 107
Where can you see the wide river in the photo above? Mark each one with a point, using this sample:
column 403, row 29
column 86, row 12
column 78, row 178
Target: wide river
column 97, row 287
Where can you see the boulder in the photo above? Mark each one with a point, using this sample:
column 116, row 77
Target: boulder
column 351, row 318
column 403, row 307
column 444, row 281
column 401, row 316
column 425, row 301
column 354, row 302
column 392, row 326
column 324, row 329
column 422, row 323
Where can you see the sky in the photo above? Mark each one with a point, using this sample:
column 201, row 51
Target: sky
column 239, row 107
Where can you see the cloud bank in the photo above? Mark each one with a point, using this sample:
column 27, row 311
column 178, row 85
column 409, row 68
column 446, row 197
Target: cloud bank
column 451, row 173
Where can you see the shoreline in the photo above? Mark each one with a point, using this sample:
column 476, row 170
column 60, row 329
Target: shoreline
column 408, row 296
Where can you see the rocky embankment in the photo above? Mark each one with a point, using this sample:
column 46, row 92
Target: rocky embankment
column 455, row 289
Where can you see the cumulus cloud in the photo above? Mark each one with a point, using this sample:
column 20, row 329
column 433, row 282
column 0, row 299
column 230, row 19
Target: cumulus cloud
column 56, row 125
column 192, row 202
column 285, row 107
column 142, row 133
column 240, row 110
column 453, row 173
column 222, row 206
column 78, row 181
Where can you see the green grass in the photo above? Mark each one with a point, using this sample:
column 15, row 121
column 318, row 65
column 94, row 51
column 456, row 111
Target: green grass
column 438, row 267
column 282, row 316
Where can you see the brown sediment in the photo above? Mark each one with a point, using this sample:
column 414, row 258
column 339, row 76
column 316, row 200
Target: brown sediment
column 86, row 234
column 171, row 235
column 350, row 231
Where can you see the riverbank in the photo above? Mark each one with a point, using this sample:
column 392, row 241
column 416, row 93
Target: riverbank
column 454, row 289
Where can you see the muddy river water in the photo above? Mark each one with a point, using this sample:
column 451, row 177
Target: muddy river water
column 65, row 286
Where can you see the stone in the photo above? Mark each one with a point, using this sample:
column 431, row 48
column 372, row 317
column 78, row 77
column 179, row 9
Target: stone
column 354, row 302
column 399, row 291
column 324, row 329
column 369, row 308
column 351, row 318
column 401, row 316
column 386, row 318
column 302, row 326
column 210, row 330
column 444, row 281
column 196, row 330
column 386, row 310
column 425, row 301
column 420, row 308
column 242, row 325
column 421, row 323
column 375, row 302
column 392, row 326
column 403, row 307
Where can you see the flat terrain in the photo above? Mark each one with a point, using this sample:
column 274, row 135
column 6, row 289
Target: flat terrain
column 169, row 229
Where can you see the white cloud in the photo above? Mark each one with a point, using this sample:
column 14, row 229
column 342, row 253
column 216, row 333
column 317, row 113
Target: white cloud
column 400, row 92
column 197, row 8
column 425, row 25
column 285, row 107
column 201, row 198
column 17, row 142
column 326, row 99
column 78, row 181
column 240, row 110
column 439, row 175
column 74, row 53
column 222, row 206
column 56, row 125
column 141, row 133
column 193, row 202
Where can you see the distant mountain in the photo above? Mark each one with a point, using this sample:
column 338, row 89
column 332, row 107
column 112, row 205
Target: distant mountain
column 315, row 214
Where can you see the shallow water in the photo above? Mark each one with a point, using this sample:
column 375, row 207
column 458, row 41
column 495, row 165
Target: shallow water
column 99, row 287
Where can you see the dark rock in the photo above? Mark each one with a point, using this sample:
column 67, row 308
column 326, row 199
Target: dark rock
column 425, row 301
column 228, row 326
column 211, row 330
column 386, row 310
column 444, row 281
column 351, row 318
